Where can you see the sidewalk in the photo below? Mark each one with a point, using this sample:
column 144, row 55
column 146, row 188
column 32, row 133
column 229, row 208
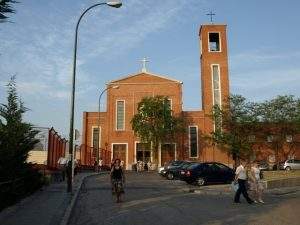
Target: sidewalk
column 44, row 207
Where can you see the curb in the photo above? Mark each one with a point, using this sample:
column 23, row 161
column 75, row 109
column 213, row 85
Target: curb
column 74, row 196
column 282, row 183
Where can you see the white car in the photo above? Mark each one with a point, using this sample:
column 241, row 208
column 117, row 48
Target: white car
column 292, row 164
column 160, row 169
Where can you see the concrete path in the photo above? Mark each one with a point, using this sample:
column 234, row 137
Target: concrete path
column 152, row 200
column 45, row 207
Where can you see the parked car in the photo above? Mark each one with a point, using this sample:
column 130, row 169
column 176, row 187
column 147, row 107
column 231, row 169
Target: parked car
column 208, row 172
column 160, row 170
column 170, row 165
column 173, row 164
column 174, row 172
column 291, row 164
column 281, row 166
column 263, row 165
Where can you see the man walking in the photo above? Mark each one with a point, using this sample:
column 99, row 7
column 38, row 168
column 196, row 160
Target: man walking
column 241, row 178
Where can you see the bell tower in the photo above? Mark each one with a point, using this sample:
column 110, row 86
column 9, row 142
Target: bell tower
column 214, row 66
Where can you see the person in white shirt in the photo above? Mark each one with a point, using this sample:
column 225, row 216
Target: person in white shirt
column 241, row 178
column 100, row 164
column 256, row 183
column 62, row 165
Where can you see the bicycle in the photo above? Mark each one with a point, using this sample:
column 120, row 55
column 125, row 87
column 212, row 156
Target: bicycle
column 118, row 190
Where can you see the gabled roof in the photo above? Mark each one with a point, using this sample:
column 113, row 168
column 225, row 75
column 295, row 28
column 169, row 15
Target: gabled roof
column 143, row 74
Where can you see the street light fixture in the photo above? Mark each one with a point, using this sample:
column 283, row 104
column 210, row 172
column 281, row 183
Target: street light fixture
column 99, row 105
column 115, row 4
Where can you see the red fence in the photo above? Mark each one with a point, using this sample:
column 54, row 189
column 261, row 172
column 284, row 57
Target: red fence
column 56, row 148
column 88, row 155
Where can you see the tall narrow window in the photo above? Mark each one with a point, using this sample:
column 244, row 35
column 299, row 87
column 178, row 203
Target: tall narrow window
column 170, row 104
column 193, row 136
column 214, row 42
column 120, row 115
column 216, row 85
column 95, row 137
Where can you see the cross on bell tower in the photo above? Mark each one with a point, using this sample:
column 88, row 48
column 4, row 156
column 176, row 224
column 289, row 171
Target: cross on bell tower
column 211, row 14
column 144, row 61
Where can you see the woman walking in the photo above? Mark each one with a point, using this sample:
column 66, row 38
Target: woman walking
column 256, row 183
column 117, row 179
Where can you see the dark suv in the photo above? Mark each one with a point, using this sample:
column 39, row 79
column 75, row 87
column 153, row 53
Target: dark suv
column 208, row 172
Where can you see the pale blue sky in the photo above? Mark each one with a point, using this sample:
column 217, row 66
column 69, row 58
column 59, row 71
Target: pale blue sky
column 263, row 39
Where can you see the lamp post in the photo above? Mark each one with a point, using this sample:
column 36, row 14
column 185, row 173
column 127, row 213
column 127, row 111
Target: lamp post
column 99, row 105
column 71, row 134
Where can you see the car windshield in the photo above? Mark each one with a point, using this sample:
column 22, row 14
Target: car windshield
column 185, row 165
column 193, row 166
column 176, row 163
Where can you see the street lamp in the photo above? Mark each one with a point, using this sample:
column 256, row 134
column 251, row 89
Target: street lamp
column 99, row 105
column 115, row 4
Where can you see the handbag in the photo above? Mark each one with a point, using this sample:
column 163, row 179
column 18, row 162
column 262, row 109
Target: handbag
column 234, row 186
column 261, row 175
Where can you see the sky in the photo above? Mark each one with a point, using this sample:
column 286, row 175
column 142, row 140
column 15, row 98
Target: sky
column 37, row 46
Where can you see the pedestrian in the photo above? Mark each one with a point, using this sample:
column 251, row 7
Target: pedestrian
column 117, row 176
column 100, row 164
column 149, row 165
column 62, row 165
column 146, row 166
column 138, row 166
column 241, row 178
column 122, row 164
column 95, row 166
column 256, row 184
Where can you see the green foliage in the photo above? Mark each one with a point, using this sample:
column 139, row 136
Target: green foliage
column 240, row 120
column 280, row 117
column 16, row 136
column 5, row 8
column 154, row 122
column 235, row 123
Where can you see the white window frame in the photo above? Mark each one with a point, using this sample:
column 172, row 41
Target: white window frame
column 171, row 103
column 112, row 152
column 116, row 107
column 135, row 151
column 212, row 83
column 220, row 42
column 92, row 142
column 190, row 142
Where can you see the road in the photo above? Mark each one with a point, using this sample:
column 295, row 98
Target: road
column 152, row 200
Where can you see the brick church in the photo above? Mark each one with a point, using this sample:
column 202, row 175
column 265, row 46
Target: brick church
column 115, row 135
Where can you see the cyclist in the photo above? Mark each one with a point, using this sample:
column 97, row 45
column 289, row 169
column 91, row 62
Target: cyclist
column 117, row 179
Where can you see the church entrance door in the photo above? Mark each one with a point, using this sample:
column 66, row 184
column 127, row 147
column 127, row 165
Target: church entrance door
column 143, row 152
column 120, row 152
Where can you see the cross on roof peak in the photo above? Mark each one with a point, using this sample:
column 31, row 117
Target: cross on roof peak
column 211, row 14
column 144, row 61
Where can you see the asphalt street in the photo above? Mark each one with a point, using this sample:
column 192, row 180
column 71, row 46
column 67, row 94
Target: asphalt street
column 152, row 200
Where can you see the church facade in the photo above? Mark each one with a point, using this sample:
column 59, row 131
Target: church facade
column 111, row 130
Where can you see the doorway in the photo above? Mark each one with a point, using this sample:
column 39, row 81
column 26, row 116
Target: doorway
column 143, row 152
column 120, row 152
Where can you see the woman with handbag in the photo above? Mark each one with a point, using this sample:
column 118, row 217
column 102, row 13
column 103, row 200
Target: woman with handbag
column 256, row 183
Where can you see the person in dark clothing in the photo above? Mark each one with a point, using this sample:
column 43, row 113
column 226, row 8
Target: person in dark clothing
column 117, row 176
column 241, row 178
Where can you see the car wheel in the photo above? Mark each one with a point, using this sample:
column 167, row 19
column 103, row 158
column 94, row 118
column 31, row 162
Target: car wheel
column 288, row 168
column 200, row 181
column 170, row 176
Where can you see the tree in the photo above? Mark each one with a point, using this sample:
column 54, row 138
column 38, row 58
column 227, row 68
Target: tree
column 154, row 122
column 235, row 125
column 16, row 136
column 280, row 122
column 5, row 7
